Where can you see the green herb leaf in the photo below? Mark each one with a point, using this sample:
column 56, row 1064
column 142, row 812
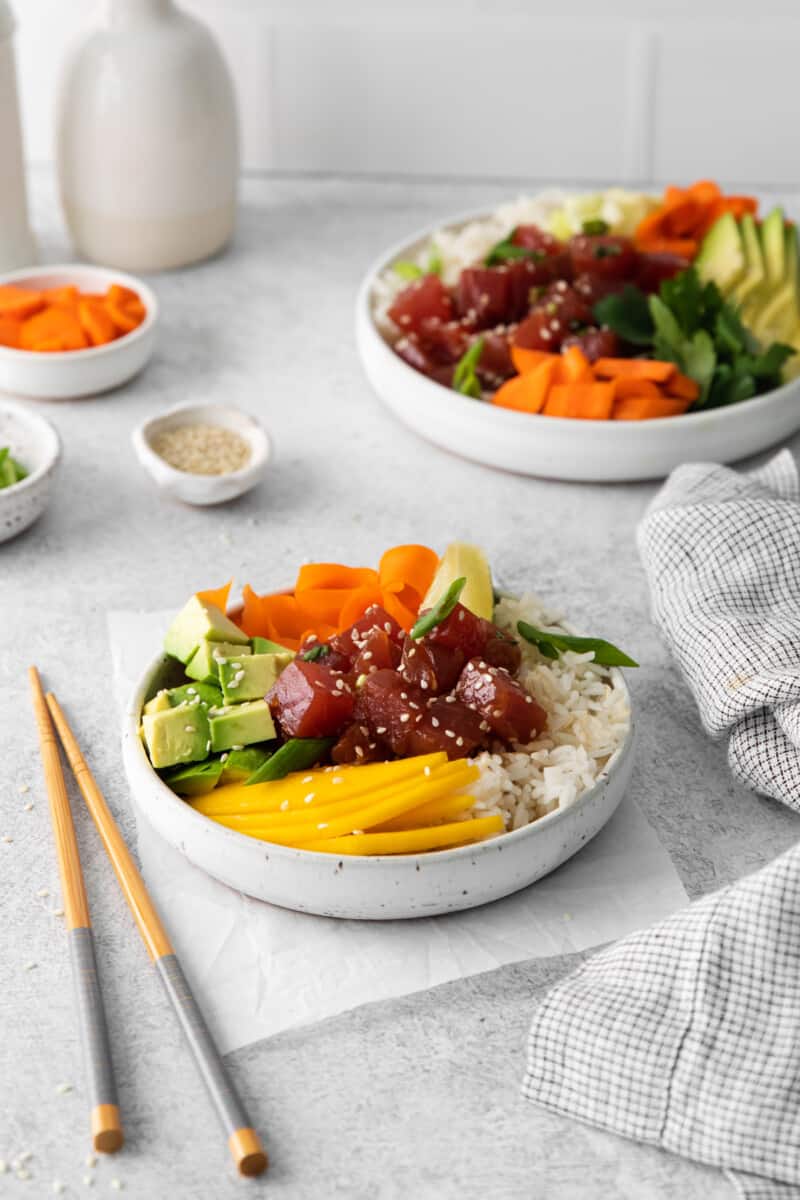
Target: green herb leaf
column 435, row 262
column 628, row 314
column 595, row 228
column 465, row 380
column 4, row 453
column 295, row 755
column 408, row 270
column 322, row 650
column 552, row 644
column 440, row 611
column 612, row 251
column 506, row 251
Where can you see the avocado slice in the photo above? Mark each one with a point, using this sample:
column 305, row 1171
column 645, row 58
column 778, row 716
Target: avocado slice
column 250, row 677
column 772, row 246
column 204, row 694
column 265, row 646
column 755, row 270
column 237, row 725
column 779, row 318
column 239, row 765
column 200, row 621
column 204, row 663
column 158, row 703
column 196, row 779
column 177, row 735
column 722, row 254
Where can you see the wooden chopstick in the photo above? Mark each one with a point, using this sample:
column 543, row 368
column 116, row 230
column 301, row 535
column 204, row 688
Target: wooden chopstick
column 243, row 1141
column 106, row 1126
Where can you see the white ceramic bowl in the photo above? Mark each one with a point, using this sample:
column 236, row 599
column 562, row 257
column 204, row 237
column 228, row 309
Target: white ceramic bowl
column 72, row 374
column 555, row 447
column 35, row 444
column 379, row 888
column 204, row 489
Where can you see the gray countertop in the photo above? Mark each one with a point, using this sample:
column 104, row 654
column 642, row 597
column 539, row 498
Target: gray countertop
column 414, row 1097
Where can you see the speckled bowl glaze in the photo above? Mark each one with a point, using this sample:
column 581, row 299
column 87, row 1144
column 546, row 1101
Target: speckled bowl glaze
column 34, row 442
column 379, row 888
column 204, row 490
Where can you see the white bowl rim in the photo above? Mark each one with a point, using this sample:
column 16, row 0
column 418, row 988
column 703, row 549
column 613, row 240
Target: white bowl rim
column 369, row 861
column 262, row 452
column 513, row 419
column 146, row 294
column 53, row 451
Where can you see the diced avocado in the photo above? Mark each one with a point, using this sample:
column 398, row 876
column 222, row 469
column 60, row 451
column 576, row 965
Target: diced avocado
column 461, row 560
column 196, row 779
column 179, row 735
column 772, row 245
column 250, row 677
column 241, row 764
column 265, row 646
column 158, row 703
column 204, row 663
column 721, row 256
column 237, row 725
column 205, row 694
column 200, row 621
column 754, row 272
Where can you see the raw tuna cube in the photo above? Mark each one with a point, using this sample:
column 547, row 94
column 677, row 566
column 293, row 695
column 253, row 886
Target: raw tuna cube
column 448, row 725
column 390, row 708
column 310, row 700
column 350, row 641
column 501, row 650
column 377, row 653
column 484, row 296
column 501, row 701
column 329, row 658
column 462, row 630
column 432, row 668
column 420, row 301
column 357, row 745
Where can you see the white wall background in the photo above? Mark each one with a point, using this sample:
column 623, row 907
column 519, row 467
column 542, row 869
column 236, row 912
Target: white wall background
column 578, row 90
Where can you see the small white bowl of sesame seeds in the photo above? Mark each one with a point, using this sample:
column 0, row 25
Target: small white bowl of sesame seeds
column 203, row 453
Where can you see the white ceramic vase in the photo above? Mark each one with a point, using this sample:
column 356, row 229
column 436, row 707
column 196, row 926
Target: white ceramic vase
column 17, row 247
column 147, row 148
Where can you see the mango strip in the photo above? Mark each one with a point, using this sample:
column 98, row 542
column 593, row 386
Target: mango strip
column 355, row 780
column 411, row 841
column 391, row 804
column 430, row 813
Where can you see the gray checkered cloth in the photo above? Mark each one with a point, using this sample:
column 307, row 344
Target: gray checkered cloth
column 687, row 1035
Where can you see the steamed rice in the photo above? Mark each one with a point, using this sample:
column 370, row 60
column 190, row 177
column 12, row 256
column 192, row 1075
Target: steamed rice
column 588, row 718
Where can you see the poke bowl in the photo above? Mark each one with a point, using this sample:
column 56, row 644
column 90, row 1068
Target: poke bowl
column 502, row 337
column 400, row 764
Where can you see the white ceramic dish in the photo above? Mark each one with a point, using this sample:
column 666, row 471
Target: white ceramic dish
column 35, row 444
column 554, row 447
column 379, row 888
column 72, row 374
column 204, row 489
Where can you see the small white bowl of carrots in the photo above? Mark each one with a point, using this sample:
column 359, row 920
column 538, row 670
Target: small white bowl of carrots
column 73, row 330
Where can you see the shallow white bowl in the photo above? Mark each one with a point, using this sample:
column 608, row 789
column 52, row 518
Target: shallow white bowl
column 204, row 489
column 555, row 447
column 379, row 888
column 35, row 444
column 72, row 374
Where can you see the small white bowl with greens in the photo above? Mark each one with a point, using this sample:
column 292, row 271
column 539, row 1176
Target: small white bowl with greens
column 29, row 452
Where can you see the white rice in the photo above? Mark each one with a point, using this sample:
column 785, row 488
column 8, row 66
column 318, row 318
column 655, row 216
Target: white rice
column 588, row 718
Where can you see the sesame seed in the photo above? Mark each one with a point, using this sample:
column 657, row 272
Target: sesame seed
column 426, row 771
column 449, row 733
column 359, row 752
column 223, row 757
column 367, row 655
column 23, row 1158
column 23, row 788
column 116, row 1184
column 58, row 912
column 435, row 722
column 189, row 729
column 237, row 747
column 337, row 779
column 459, row 741
column 423, row 683
column 91, row 1160
column 307, row 799
column 28, row 807
column 202, row 449
column 57, row 1187
column 405, row 717
column 412, row 652
column 322, row 825
column 23, row 1174
column 87, row 1179
column 63, row 1088
column 8, row 840
column 381, row 729
column 29, row 966
column 284, row 805
column 43, row 893
column 190, row 691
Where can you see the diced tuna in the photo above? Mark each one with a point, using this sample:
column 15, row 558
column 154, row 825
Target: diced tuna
column 357, row 745
column 390, row 708
column 378, row 651
column 510, row 711
column 448, row 725
column 310, row 700
column 430, row 667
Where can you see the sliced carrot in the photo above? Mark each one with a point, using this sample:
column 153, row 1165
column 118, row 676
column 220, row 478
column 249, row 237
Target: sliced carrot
column 398, row 607
column 683, row 247
column 528, row 392
column 636, row 387
column 642, row 408
column 635, row 368
column 585, row 401
column 53, row 327
column 525, row 359
column 556, row 403
column 312, row 576
column 322, row 606
column 683, row 386
column 408, row 566
column 217, row 596
column 95, row 322
column 10, row 331
column 118, row 294
column 357, row 604
column 277, row 617
column 124, row 321
column 19, row 302
column 574, row 367
column 66, row 296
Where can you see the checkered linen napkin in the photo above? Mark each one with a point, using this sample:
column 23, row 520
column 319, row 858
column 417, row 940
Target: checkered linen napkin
column 687, row 1035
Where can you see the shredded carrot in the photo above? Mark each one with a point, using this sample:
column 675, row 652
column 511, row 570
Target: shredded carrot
column 313, row 576
column 408, row 566
column 685, row 216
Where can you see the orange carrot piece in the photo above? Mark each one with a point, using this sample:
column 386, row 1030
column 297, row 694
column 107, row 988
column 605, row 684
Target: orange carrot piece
column 642, row 408
column 124, row 321
column 682, row 246
column 217, row 596
column 636, row 387
column 53, row 327
column 528, row 392
column 313, row 576
column 10, row 331
column 357, row 604
column 574, row 367
column 683, row 386
column 525, row 359
column 584, row 401
column 635, row 368
column 556, row 403
column 407, row 567
column 66, row 296
column 95, row 322
column 19, row 302
column 402, row 613
column 277, row 617
column 322, row 606
column 118, row 294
